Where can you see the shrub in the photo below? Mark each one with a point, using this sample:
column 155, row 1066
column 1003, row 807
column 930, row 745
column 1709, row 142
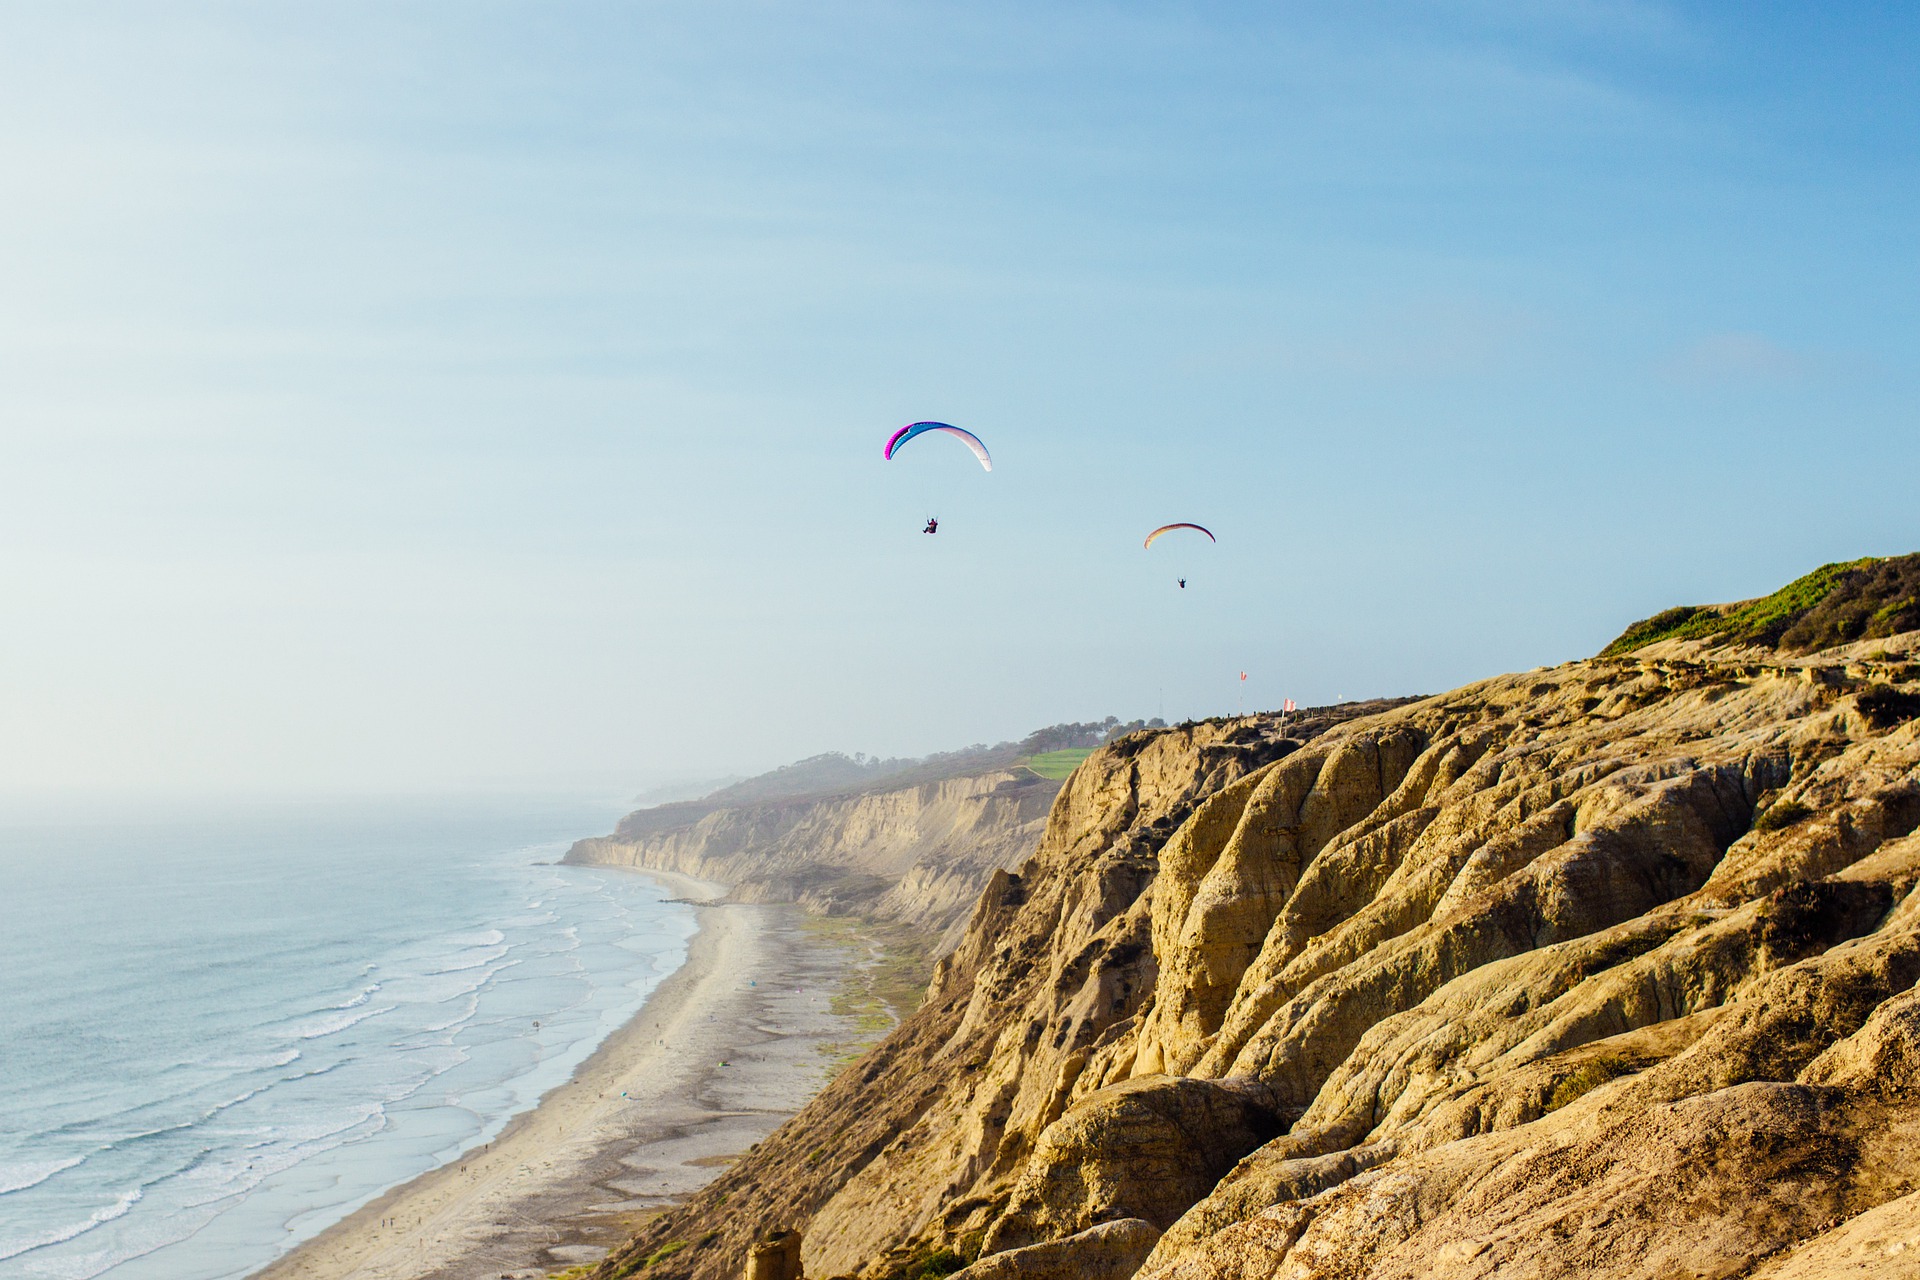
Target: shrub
column 929, row 1264
column 1585, row 1078
column 1885, row 707
column 1781, row 816
column 939, row 1263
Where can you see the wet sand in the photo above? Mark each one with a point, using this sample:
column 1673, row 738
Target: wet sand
column 652, row 1116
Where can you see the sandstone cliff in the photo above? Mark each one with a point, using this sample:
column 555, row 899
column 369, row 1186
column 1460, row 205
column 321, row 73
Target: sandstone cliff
column 1607, row 969
column 917, row 854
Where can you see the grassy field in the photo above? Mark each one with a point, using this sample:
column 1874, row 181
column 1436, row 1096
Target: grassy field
column 1058, row 764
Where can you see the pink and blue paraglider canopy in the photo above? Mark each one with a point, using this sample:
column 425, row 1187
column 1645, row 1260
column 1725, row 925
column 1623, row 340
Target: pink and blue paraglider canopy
column 916, row 429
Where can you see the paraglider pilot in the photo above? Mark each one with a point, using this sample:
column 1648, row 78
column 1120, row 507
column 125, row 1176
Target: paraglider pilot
column 933, row 526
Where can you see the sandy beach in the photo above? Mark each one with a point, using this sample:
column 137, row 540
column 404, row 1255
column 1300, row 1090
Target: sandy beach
column 728, row 1047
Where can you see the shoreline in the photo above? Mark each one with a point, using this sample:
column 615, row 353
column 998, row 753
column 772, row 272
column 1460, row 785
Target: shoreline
column 720, row 1053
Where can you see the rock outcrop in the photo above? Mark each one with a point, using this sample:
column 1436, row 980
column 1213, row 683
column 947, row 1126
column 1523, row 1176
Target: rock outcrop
column 1606, row 970
column 776, row 1257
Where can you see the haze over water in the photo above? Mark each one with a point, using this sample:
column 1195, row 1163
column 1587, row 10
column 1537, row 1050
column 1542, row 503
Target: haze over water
column 224, row 1033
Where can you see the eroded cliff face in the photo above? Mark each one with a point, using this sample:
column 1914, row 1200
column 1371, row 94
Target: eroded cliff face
column 916, row 855
column 1602, row 970
column 981, row 1064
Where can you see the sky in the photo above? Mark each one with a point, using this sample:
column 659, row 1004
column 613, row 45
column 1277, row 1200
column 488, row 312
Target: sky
column 410, row 397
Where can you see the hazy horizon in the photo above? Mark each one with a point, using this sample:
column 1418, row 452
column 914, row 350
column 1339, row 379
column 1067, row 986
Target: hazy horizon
column 442, row 397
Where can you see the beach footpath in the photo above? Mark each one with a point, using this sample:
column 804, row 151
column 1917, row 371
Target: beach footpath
column 736, row 1040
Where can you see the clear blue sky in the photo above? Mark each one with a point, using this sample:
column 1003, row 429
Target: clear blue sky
column 403, row 396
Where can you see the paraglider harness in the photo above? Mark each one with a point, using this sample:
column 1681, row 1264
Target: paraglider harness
column 933, row 526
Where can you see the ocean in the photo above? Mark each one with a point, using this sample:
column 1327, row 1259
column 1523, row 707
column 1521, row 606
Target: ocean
column 222, row 1032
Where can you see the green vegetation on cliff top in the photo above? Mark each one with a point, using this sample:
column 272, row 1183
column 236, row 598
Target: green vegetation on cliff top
column 1058, row 765
column 1840, row 603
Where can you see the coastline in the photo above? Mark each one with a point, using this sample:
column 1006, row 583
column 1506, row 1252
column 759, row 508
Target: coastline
column 723, row 1051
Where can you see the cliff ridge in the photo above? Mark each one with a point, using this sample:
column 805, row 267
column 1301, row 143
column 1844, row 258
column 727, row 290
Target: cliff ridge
column 1607, row 969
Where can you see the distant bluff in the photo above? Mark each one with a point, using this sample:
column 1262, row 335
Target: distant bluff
column 915, row 854
column 1603, row 970
column 902, row 841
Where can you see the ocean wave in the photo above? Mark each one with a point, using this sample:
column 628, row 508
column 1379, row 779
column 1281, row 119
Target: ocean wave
column 142, row 1137
column 212, row 1179
column 494, row 952
column 215, row 1110
column 31, row 1173
column 279, row 1147
column 110, row 1140
column 317, row 1029
column 255, row 1062
column 120, row 1109
column 355, row 1001
column 240, row 1172
column 430, row 990
column 530, row 926
column 460, row 1019
column 345, row 1119
column 311, row 1072
column 121, row 1206
column 134, row 1242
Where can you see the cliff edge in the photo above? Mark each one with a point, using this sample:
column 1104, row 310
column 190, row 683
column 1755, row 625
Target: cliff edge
column 915, row 855
column 1601, row 970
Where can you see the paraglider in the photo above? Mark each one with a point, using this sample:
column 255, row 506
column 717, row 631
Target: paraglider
column 914, row 430
column 1169, row 528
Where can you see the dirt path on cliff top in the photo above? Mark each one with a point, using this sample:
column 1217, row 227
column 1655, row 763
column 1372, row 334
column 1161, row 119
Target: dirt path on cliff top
column 651, row 1117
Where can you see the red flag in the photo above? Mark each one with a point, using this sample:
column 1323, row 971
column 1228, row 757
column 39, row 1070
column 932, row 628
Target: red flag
column 1287, row 705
